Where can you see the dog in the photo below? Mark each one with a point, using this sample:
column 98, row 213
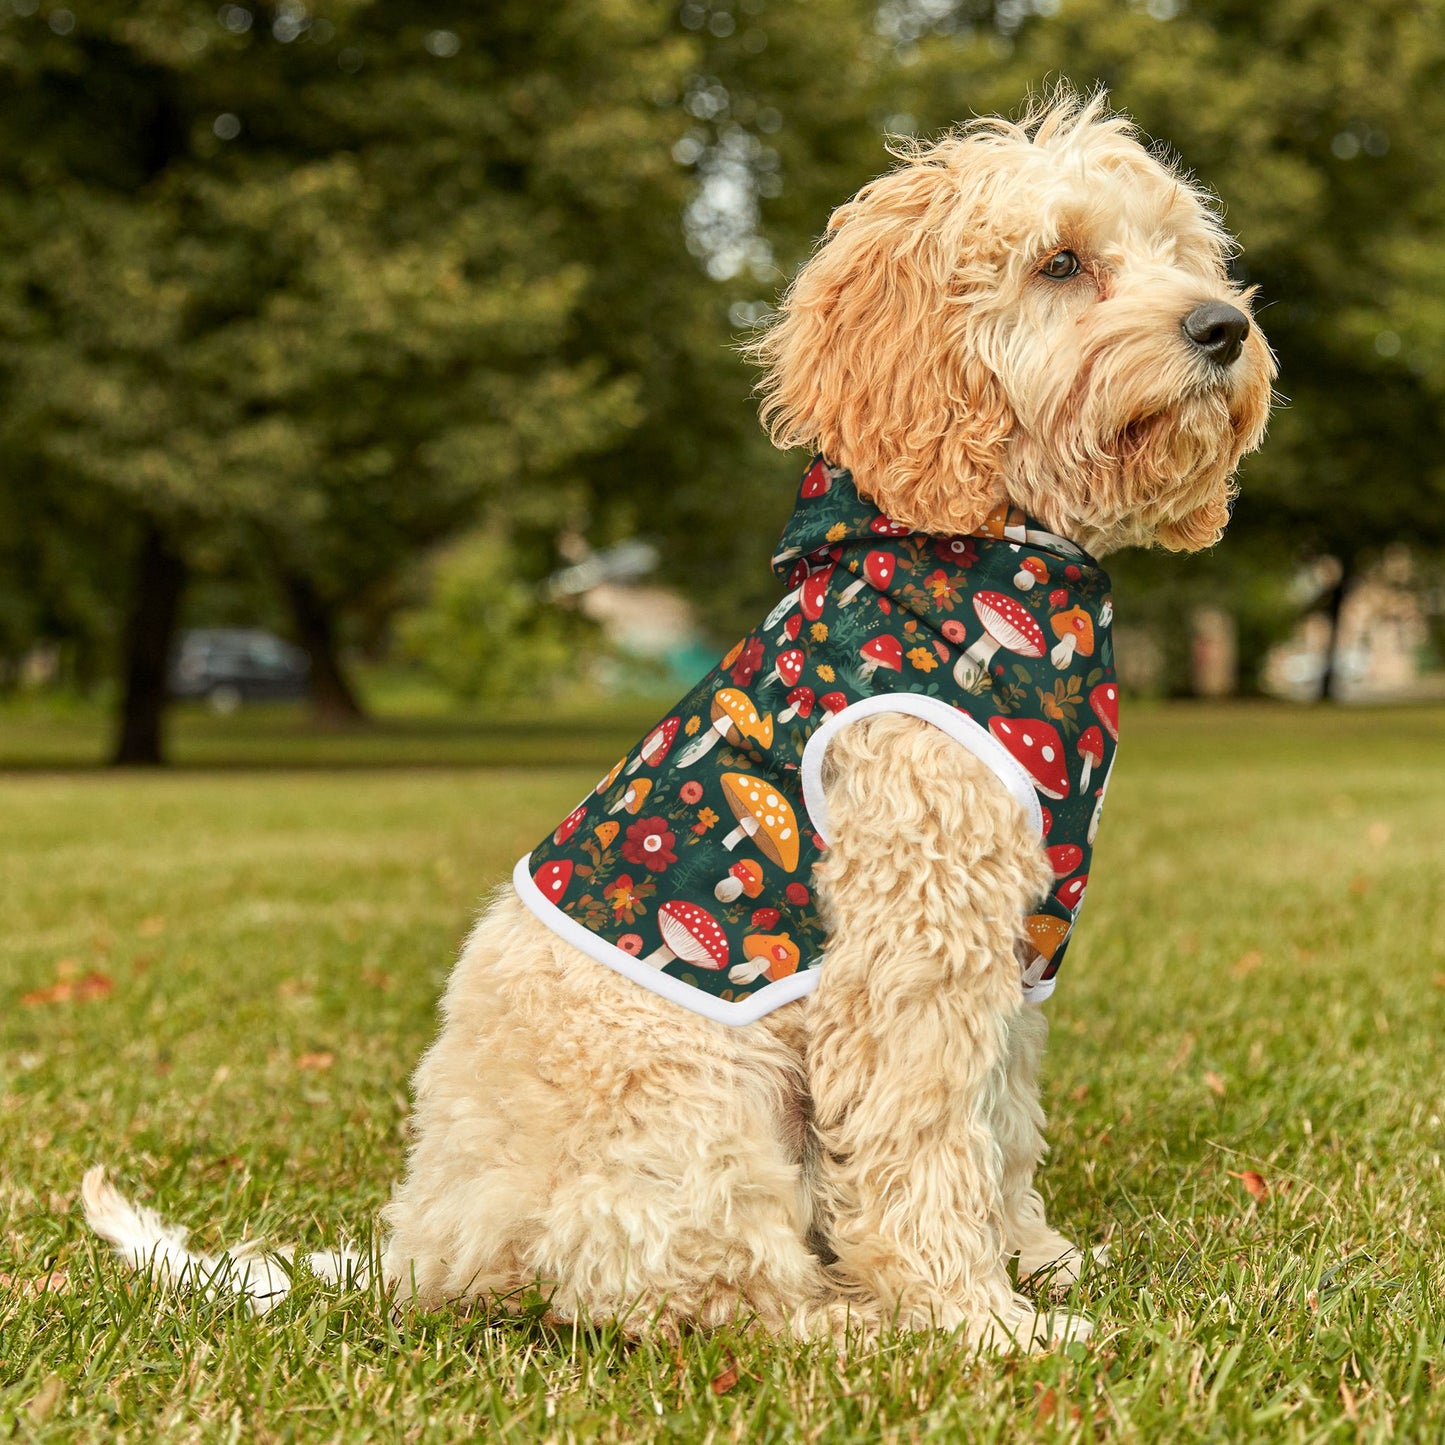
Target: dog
column 1024, row 325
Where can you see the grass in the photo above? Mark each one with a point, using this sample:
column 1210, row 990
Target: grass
column 231, row 972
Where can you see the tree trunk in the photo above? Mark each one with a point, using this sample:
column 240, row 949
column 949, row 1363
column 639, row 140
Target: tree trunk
column 1334, row 607
column 160, row 578
column 333, row 700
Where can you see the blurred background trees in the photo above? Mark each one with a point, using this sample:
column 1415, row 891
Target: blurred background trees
column 293, row 295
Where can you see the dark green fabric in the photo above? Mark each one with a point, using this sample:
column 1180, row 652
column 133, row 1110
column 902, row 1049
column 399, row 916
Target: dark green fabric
column 869, row 609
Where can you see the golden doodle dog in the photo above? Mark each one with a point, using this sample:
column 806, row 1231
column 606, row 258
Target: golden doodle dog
column 1022, row 343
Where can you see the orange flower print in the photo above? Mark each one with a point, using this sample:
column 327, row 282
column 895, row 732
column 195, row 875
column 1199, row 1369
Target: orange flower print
column 922, row 659
column 706, row 819
column 626, row 906
column 941, row 589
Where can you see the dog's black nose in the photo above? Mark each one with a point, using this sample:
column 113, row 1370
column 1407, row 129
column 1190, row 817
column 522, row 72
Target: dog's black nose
column 1218, row 330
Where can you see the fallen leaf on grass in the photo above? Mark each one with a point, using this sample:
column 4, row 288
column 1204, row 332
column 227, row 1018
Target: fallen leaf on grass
column 1255, row 1184
column 1214, row 1083
column 724, row 1382
column 322, row 1059
column 67, row 990
column 151, row 927
column 378, row 979
column 1248, row 962
column 1079, row 1094
column 1440, row 980
column 1046, row 1407
column 56, row 1282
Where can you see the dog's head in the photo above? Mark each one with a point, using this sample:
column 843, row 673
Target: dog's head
column 1038, row 310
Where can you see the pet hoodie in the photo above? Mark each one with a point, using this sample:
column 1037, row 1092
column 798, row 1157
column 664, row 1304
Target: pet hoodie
column 688, row 868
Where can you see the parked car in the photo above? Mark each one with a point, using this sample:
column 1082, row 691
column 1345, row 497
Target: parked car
column 230, row 665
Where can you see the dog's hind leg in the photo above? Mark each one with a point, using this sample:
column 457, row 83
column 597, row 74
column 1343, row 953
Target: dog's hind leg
column 925, row 887
column 578, row 1135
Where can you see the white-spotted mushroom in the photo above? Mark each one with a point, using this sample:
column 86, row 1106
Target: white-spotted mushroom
column 690, row 934
column 763, row 815
column 734, row 719
column 1007, row 623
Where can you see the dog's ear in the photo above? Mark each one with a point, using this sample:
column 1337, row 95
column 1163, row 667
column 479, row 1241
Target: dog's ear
column 873, row 358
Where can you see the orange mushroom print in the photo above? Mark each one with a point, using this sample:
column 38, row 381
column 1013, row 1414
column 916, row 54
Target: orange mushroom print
column 702, row 889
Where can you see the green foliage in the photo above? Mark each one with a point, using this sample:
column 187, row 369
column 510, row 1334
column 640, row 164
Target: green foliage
column 485, row 633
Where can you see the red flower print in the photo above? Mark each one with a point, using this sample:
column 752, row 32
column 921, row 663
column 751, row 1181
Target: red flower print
column 796, row 893
column 630, row 943
column 649, row 843
column 961, row 551
column 691, row 792
column 749, row 660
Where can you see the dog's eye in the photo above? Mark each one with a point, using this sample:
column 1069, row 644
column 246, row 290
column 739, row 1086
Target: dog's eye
column 1060, row 266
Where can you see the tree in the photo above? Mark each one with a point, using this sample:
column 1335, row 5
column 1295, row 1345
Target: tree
column 289, row 284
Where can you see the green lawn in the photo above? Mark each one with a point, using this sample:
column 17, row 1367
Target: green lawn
column 252, row 958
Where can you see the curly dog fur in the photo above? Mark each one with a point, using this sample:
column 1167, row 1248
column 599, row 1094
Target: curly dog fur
column 865, row 1156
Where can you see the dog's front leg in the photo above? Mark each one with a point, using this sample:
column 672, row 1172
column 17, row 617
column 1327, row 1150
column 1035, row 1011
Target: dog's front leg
column 930, row 872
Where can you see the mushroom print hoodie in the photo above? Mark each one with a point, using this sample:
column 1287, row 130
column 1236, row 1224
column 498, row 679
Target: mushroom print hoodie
column 688, row 868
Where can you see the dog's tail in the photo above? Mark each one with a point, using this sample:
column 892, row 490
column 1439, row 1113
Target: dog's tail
column 147, row 1243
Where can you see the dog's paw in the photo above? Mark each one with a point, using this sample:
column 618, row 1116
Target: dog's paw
column 1059, row 1270
column 1023, row 1326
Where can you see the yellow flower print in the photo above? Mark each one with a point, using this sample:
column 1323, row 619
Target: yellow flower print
column 706, row 819
column 819, row 632
column 837, row 532
column 923, row 659
column 692, row 725
column 826, row 672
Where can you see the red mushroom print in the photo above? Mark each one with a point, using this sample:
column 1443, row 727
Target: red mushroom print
column 552, row 879
column 878, row 570
column 689, row 935
column 655, row 745
column 1090, row 747
column 832, row 702
column 1037, row 746
column 1072, row 892
column 1075, row 631
column 887, row 527
column 1007, row 624
column 744, row 878
column 570, row 824
column 1031, row 570
column 1064, row 858
column 814, row 592
column 881, row 652
column 800, row 704
column 735, row 719
column 765, row 918
column 1104, row 699
column 816, row 481
column 789, row 667
column 1048, row 820
column 791, row 628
